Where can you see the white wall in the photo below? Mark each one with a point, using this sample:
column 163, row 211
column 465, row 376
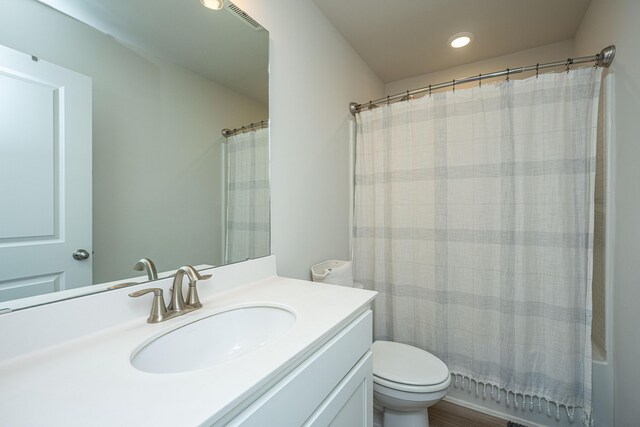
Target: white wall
column 157, row 176
column 314, row 74
column 618, row 22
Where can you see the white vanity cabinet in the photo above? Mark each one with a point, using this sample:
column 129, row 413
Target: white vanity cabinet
column 331, row 387
column 317, row 373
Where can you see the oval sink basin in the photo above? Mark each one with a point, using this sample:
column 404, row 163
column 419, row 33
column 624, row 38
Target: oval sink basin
column 213, row 340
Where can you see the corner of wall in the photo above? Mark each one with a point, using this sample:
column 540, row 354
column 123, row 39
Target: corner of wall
column 314, row 74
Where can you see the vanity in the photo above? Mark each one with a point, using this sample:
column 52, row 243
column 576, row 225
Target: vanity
column 316, row 369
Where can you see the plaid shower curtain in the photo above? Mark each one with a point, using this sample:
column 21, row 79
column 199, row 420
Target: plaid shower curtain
column 473, row 220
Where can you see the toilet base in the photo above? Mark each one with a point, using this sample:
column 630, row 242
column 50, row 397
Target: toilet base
column 392, row 418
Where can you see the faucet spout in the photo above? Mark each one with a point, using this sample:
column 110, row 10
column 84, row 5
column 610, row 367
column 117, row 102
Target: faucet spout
column 177, row 300
column 194, row 275
column 177, row 303
column 145, row 264
column 178, row 306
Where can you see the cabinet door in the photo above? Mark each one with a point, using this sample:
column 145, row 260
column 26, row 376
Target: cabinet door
column 296, row 397
column 350, row 404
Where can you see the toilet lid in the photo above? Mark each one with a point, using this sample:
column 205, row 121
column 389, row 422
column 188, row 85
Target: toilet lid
column 405, row 364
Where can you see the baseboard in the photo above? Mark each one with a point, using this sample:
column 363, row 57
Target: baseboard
column 491, row 412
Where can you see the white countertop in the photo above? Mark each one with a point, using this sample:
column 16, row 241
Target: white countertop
column 90, row 381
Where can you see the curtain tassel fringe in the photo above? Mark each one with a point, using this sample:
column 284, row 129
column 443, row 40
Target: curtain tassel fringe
column 496, row 394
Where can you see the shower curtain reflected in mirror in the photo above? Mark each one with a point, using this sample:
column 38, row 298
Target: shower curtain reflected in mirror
column 474, row 215
column 247, row 195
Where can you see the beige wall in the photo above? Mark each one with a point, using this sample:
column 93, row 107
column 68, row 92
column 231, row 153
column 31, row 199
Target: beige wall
column 618, row 22
column 314, row 74
column 157, row 175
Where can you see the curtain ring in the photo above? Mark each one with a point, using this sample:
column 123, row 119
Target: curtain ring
column 569, row 62
column 429, row 90
column 454, row 85
column 598, row 57
column 480, row 80
column 370, row 105
column 387, row 100
column 508, row 74
column 537, row 69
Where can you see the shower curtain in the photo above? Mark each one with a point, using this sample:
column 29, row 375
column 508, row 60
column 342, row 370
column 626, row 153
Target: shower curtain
column 474, row 222
column 247, row 217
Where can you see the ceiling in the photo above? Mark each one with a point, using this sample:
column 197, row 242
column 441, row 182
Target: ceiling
column 215, row 44
column 407, row 38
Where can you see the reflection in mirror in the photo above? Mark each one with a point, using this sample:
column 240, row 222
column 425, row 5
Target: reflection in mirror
column 247, row 224
column 111, row 149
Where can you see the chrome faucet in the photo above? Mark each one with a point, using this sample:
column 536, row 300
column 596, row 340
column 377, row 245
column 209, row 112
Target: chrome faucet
column 145, row 264
column 177, row 300
column 177, row 307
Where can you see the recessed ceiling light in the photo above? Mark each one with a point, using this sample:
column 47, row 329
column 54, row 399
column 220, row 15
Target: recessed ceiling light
column 213, row 4
column 460, row 40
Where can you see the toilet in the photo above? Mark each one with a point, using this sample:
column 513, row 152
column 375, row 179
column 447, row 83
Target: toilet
column 406, row 381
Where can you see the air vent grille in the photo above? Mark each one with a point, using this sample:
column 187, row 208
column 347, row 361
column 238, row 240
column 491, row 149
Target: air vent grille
column 244, row 16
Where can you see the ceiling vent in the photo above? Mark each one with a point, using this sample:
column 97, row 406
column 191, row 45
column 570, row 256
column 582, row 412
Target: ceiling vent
column 242, row 15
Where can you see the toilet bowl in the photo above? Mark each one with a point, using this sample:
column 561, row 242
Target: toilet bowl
column 406, row 381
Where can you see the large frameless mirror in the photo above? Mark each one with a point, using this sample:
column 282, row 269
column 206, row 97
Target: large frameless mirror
column 111, row 150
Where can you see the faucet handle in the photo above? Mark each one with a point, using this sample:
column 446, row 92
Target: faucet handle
column 121, row 285
column 158, row 309
column 192, row 295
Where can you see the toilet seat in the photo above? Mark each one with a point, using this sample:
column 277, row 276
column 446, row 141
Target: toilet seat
column 411, row 388
column 406, row 368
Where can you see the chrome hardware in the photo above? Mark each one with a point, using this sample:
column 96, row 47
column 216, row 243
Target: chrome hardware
column 177, row 299
column 80, row 254
column 177, row 303
column 145, row 264
column 158, row 309
column 602, row 59
column 121, row 285
column 226, row 132
column 177, row 306
column 192, row 295
column 606, row 55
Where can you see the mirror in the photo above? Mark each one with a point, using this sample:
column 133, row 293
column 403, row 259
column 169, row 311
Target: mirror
column 111, row 147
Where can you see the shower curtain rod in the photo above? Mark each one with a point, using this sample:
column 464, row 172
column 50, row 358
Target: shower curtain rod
column 253, row 126
column 602, row 59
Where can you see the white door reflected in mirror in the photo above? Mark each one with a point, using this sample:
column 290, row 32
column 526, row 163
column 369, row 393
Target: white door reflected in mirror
column 45, row 153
